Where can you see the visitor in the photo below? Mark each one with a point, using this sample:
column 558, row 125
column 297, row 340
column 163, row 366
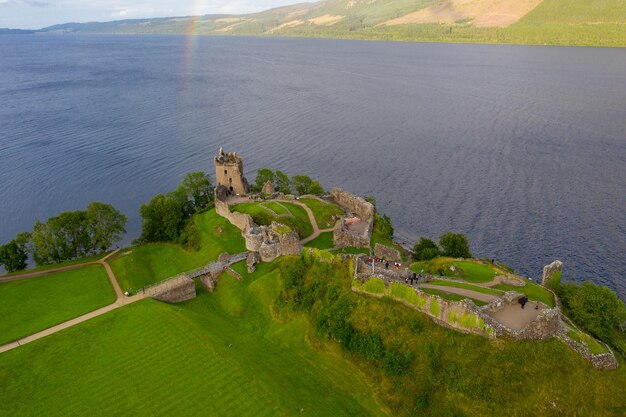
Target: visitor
column 387, row 265
column 406, row 280
column 414, row 278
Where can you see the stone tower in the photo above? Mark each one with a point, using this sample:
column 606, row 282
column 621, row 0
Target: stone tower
column 229, row 173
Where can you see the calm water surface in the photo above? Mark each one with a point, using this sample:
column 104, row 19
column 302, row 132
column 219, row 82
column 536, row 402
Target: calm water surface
column 521, row 148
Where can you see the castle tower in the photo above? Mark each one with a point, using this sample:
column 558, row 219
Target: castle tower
column 229, row 173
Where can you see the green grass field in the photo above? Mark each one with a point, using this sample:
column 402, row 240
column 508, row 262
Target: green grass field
column 61, row 264
column 138, row 266
column 591, row 343
column 324, row 212
column 298, row 219
column 276, row 208
column 323, row 241
column 218, row 355
column 34, row 304
column 468, row 270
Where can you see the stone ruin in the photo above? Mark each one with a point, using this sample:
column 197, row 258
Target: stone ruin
column 268, row 188
column 272, row 241
column 387, row 253
column 549, row 271
column 229, row 176
column 355, row 228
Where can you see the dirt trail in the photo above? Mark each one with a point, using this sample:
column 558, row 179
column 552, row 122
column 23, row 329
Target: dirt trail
column 309, row 212
column 121, row 300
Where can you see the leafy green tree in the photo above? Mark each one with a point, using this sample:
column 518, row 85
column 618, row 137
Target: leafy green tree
column 425, row 249
column 105, row 224
column 455, row 245
column 72, row 233
column 306, row 185
column 198, row 188
column 383, row 226
column 597, row 310
column 262, row 176
column 163, row 219
column 370, row 199
column 13, row 256
column 283, row 184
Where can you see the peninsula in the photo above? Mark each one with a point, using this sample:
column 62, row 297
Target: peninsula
column 274, row 297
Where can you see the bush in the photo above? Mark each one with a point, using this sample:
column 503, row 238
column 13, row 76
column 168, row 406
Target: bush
column 425, row 250
column 369, row 345
column 455, row 245
column 396, row 363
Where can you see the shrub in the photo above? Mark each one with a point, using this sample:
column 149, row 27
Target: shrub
column 396, row 363
column 425, row 249
column 435, row 308
column 455, row 245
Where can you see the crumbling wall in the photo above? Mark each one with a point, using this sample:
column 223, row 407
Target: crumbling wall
column 549, row 271
column 240, row 220
column 385, row 252
column 343, row 237
column 604, row 361
column 353, row 203
column 174, row 290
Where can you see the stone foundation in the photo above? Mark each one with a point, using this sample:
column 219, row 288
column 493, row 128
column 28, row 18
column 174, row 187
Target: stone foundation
column 174, row 290
column 387, row 253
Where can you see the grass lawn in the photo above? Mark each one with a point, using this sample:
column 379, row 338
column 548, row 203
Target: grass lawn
column 34, row 304
column 451, row 297
column 533, row 291
column 323, row 212
column 471, row 287
column 220, row 354
column 138, row 266
column 323, row 241
column 92, row 258
column 276, row 208
column 468, row 270
column 298, row 219
column 591, row 343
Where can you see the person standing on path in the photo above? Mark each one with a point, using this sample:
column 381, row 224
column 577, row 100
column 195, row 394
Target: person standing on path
column 387, row 265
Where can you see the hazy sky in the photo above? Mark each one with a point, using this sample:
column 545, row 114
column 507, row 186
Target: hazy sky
column 35, row 14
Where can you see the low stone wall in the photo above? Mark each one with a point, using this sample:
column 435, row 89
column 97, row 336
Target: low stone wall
column 604, row 361
column 174, row 290
column 353, row 203
column 240, row 220
column 391, row 273
column 463, row 316
column 385, row 252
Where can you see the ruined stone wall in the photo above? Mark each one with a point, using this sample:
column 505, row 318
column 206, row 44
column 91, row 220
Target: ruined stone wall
column 604, row 361
column 463, row 316
column 343, row 237
column 353, row 203
column 549, row 270
column 289, row 243
column 385, row 252
column 240, row 220
column 174, row 290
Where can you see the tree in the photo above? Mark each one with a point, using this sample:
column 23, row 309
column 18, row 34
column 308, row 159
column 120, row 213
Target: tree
column 198, row 188
column 370, row 199
column 163, row 219
column 425, row 249
column 283, row 185
column 105, row 225
column 263, row 175
column 13, row 256
column 383, row 226
column 306, row 185
column 455, row 245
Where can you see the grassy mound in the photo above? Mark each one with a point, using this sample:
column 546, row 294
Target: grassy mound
column 451, row 297
column 220, row 354
column 297, row 217
column 143, row 265
column 533, row 291
column 34, row 304
column 324, row 212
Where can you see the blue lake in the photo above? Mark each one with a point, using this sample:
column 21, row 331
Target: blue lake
column 521, row 148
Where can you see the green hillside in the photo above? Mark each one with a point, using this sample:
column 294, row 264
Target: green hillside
column 560, row 22
column 269, row 345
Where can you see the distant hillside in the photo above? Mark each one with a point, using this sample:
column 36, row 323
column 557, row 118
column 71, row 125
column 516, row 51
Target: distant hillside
column 562, row 22
column 5, row 31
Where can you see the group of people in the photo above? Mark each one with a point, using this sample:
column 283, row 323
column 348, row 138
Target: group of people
column 412, row 279
column 382, row 261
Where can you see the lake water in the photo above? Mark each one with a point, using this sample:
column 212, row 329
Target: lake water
column 521, row 148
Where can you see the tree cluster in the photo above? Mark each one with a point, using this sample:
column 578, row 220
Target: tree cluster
column 454, row 245
column 68, row 235
column 596, row 309
column 282, row 183
column 168, row 218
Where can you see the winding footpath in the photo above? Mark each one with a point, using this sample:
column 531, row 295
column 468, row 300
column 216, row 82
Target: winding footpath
column 316, row 230
column 121, row 300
